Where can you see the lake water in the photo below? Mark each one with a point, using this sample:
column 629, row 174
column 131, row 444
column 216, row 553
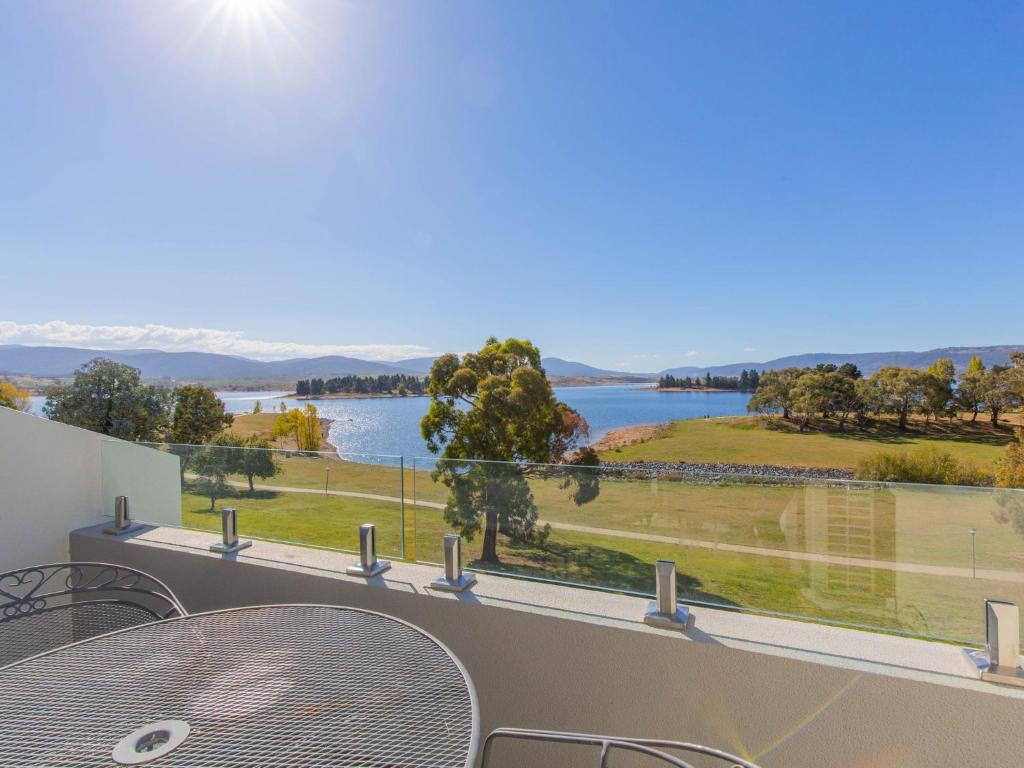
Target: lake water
column 392, row 425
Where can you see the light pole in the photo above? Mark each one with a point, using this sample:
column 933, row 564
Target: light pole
column 327, row 479
column 974, row 560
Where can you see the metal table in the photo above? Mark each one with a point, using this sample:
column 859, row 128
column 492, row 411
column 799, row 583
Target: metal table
column 283, row 685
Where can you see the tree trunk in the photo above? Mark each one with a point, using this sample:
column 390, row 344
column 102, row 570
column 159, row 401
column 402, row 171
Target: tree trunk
column 213, row 504
column 251, row 488
column 490, row 548
column 974, row 418
column 903, row 421
column 995, row 416
column 785, row 413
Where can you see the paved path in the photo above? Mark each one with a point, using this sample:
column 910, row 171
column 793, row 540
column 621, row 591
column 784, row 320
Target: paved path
column 811, row 557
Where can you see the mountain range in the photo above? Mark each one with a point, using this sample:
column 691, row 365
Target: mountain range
column 58, row 362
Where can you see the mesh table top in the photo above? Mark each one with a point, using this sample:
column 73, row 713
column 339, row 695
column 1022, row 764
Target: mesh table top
column 296, row 685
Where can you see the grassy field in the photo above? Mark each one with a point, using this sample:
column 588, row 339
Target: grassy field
column 916, row 524
column 753, row 440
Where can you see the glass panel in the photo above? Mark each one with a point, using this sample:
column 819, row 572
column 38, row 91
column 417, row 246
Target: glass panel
column 902, row 558
column 300, row 497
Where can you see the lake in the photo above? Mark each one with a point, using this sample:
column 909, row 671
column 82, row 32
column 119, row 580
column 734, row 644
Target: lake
column 392, row 425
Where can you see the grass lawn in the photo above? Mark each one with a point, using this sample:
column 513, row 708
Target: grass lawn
column 753, row 440
column 910, row 524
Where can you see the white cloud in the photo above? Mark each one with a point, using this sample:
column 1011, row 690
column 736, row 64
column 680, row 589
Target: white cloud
column 750, row 349
column 170, row 339
column 692, row 353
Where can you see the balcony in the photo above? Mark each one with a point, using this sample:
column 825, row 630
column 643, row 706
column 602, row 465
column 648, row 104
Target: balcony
column 829, row 621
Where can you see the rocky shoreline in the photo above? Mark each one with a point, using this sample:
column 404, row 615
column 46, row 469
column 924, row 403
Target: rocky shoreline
column 713, row 472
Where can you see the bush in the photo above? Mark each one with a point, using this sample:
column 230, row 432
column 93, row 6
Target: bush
column 1010, row 468
column 927, row 465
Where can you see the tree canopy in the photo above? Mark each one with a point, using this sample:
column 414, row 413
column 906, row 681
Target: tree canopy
column 12, row 397
column 498, row 405
column 110, row 398
column 198, row 415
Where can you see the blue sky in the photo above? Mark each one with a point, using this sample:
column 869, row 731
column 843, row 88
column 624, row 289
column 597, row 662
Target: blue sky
column 635, row 185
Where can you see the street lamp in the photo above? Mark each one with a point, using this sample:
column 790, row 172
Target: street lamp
column 974, row 560
column 327, row 479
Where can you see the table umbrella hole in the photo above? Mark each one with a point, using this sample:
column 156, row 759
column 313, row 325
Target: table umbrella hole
column 150, row 742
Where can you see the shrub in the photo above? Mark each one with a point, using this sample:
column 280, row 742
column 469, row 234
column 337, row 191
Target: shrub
column 926, row 465
column 1010, row 468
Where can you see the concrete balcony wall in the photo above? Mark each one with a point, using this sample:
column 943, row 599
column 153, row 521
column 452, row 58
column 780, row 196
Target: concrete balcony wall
column 551, row 657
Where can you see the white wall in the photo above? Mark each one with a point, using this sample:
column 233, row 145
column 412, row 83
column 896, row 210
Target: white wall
column 53, row 480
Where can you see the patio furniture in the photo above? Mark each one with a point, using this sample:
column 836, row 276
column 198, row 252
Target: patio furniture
column 658, row 749
column 47, row 606
column 283, row 685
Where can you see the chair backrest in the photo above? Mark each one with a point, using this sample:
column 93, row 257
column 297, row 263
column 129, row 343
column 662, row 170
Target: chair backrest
column 657, row 749
column 43, row 607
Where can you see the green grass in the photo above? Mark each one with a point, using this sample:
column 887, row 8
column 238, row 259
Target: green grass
column 922, row 525
column 753, row 440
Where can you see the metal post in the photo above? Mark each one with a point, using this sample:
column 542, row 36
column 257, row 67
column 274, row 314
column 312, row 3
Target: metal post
column 327, row 479
column 369, row 565
column 665, row 612
column 1000, row 663
column 974, row 559
column 122, row 519
column 454, row 580
column 229, row 533
column 401, row 502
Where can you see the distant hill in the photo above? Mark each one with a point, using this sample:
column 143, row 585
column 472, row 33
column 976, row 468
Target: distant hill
column 58, row 362
column 868, row 362
column 554, row 366
column 186, row 366
column 417, row 364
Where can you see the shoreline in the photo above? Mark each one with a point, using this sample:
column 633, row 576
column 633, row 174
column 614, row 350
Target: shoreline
column 690, row 389
column 346, row 396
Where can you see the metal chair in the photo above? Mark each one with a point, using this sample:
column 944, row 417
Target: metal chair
column 654, row 748
column 43, row 607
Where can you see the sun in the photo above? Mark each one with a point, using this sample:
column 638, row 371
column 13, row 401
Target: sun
column 257, row 31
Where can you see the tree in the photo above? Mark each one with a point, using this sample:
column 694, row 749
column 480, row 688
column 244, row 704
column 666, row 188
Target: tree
column 1010, row 467
column 937, row 393
column 897, row 390
column 211, row 465
column 1001, row 390
column 496, row 404
column 302, row 425
column 843, row 395
column 109, row 398
column 250, row 456
column 811, row 394
column 257, row 407
column 12, row 397
column 198, row 415
column 775, row 391
column 968, row 390
column 850, row 371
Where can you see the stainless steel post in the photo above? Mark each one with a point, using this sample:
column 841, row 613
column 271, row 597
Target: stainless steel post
column 1000, row 663
column 369, row 565
column 665, row 611
column 122, row 518
column 229, row 532
column 454, row 580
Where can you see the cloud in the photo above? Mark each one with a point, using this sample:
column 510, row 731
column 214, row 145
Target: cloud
column 170, row 339
column 692, row 353
column 750, row 349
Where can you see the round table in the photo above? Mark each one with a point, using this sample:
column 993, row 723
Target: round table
column 282, row 685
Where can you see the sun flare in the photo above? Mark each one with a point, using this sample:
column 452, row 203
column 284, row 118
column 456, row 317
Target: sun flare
column 256, row 32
